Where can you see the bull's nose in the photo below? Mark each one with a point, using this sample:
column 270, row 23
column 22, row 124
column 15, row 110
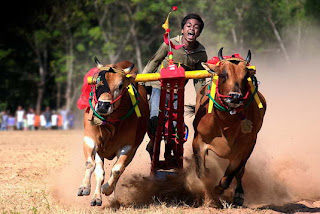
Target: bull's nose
column 235, row 98
column 103, row 107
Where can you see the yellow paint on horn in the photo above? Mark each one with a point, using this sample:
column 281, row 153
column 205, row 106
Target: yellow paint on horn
column 256, row 97
column 134, row 101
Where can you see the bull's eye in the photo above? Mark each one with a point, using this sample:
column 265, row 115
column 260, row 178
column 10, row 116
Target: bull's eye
column 120, row 86
column 223, row 75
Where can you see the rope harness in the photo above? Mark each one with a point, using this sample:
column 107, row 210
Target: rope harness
column 225, row 108
column 99, row 79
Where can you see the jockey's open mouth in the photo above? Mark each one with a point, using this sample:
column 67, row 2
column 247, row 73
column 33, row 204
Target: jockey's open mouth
column 191, row 35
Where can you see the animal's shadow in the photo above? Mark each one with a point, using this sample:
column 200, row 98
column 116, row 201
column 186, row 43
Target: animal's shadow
column 291, row 208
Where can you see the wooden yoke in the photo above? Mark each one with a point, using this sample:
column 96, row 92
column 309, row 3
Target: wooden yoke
column 196, row 74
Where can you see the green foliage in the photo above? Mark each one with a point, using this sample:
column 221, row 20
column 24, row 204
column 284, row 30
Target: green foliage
column 5, row 53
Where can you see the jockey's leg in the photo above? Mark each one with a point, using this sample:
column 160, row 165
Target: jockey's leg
column 153, row 122
column 170, row 145
column 89, row 149
column 125, row 156
column 99, row 174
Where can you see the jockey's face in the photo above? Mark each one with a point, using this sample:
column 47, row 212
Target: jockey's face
column 191, row 30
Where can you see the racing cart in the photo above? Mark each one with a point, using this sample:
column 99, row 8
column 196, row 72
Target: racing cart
column 171, row 129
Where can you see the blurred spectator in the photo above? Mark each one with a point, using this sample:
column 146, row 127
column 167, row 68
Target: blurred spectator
column 70, row 118
column 11, row 122
column 37, row 121
column 30, row 119
column 64, row 114
column 47, row 116
column 60, row 121
column 43, row 122
column 54, row 120
column 19, row 118
column 4, row 120
column 1, row 118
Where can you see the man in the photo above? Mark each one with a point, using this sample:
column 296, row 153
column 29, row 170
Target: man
column 47, row 116
column 20, row 117
column 189, row 56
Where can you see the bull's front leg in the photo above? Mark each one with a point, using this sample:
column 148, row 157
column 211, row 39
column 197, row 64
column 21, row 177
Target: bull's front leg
column 125, row 155
column 99, row 174
column 89, row 149
column 238, row 198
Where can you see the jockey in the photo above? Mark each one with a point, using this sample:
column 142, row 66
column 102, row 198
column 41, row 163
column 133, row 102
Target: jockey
column 189, row 56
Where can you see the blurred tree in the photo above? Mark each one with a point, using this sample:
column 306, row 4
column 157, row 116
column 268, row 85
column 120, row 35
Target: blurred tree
column 47, row 46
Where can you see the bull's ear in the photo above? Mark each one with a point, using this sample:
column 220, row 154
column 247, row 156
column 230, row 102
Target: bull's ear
column 129, row 69
column 209, row 67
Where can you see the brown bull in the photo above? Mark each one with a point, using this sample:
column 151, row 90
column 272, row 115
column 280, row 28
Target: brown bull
column 230, row 131
column 111, row 127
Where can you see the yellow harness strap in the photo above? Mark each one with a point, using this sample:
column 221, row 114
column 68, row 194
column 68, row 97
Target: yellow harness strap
column 256, row 97
column 133, row 100
column 212, row 92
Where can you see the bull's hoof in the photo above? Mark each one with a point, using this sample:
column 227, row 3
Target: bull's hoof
column 83, row 191
column 106, row 189
column 96, row 202
column 238, row 199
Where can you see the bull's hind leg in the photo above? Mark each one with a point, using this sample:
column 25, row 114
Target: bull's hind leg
column 99, row 174
column 200, row 151
column 125, row 156
column 89, row 153
column 199, row 155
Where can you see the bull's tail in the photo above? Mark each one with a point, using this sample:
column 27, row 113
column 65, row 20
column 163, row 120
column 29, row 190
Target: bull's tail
column 191, row 109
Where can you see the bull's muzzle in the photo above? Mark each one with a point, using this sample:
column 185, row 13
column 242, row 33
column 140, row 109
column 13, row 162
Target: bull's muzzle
column 103, row 107
column 234, row 100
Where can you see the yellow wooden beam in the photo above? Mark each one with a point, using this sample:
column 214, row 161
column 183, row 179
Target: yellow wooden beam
column 197, row 74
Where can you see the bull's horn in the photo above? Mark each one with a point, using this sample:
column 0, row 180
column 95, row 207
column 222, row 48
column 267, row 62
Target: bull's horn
column 99, row 65
column 220, row 54
column 127, row 70
column 248, row 59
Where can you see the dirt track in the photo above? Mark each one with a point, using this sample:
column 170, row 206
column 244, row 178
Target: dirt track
column 41, row 170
